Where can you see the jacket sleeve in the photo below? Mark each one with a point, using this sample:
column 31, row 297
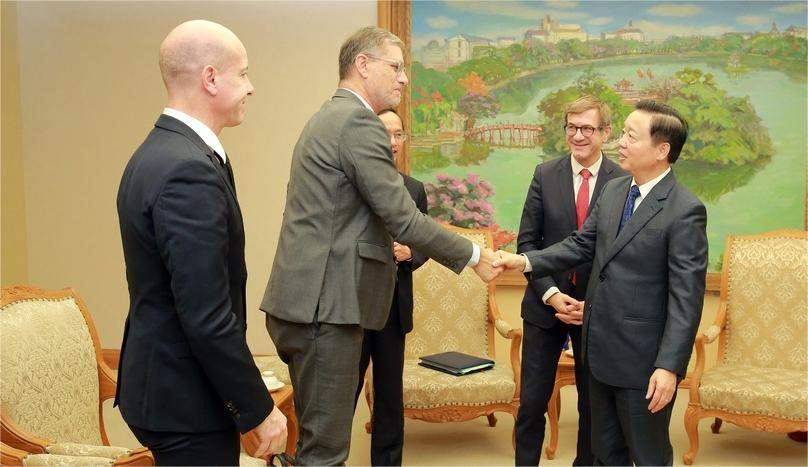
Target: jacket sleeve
column 687, row 271
column 191, row 226
column 365, row 158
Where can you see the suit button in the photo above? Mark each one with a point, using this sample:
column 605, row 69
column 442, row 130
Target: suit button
column 602, row 277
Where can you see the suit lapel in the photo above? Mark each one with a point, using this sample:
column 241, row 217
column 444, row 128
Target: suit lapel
column 566, row 191
column 172, row 124
column 649, row 207
column 603, row 176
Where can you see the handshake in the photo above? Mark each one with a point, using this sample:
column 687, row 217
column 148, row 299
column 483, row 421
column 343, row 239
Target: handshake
column 493, row 263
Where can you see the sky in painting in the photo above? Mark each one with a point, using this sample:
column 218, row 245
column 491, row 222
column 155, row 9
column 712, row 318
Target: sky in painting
column 658, row 20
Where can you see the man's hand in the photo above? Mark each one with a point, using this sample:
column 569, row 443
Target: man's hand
column 401, row 252
column 510, row 261
column 271, row 434
column 485, row 267
column 661, row 387
column 568, row 309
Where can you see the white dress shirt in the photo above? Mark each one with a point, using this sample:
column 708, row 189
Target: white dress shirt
column 207, row 135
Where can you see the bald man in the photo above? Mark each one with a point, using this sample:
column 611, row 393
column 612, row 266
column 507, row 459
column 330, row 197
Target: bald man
column 187, row 384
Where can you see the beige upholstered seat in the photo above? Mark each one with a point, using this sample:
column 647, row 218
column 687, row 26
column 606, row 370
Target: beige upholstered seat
column 456, row 313
column 759, row 381
column 54, row 379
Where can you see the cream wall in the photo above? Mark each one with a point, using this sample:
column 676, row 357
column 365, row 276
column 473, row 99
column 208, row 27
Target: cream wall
column 90, row 91
column 13, row 240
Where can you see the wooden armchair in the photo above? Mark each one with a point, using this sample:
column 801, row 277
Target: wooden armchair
column 457, row 313
column 759, row 381
column 55, row 379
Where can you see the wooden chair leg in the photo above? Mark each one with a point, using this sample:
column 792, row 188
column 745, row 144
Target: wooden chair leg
column 553, row 408
column 692, row 428
column 492, row 419
column 716, row 425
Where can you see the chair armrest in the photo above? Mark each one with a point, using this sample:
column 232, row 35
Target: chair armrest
column 515, row 335
column 139, row 456
column 14, row 436
column 10, row 456
column 711, row 334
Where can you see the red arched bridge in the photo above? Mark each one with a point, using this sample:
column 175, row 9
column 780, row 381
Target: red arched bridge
column 514, row 135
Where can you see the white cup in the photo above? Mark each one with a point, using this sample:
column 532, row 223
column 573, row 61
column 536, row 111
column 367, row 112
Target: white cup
column 266, row 373
column 271, row 381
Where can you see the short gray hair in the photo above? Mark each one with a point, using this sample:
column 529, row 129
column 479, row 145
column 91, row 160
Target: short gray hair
column 366, row 40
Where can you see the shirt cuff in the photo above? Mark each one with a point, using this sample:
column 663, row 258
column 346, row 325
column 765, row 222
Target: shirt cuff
column 550, row 292
column 475, row 256
column 528, row 266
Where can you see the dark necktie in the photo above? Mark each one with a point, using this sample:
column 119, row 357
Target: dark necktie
column 582, row 202
column 633, row 194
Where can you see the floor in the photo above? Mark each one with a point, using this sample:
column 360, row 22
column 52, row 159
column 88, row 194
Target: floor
column 475, row 443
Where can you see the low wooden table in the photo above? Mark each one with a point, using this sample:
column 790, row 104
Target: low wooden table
column 565, row 376
column 284, row 400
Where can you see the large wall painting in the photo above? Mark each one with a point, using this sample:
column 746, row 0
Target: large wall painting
column 489, row 81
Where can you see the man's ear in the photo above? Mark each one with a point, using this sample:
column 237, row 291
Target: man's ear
column 663, row 150
column 361, row 65
column 209, row 79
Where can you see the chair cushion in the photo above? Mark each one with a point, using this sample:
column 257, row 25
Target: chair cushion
column 746, row 389
column 60, row 460
column 425, row 388
column 50, row 375
column 75, row 449
column 275, row 364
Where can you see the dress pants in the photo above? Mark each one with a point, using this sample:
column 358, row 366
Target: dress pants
column 323, row 362
column 214, row 448
column 624, row 431
column 386, row 349
column 540, row 351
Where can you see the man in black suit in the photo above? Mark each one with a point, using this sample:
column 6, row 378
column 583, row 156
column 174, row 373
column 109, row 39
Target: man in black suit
column 647, row 239
column 187, row 384
column 386, row 346
column 558, row 201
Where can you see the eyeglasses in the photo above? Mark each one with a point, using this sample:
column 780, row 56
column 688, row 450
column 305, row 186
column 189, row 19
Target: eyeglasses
column 401, row 136
column 586, row 130
column 399, row 66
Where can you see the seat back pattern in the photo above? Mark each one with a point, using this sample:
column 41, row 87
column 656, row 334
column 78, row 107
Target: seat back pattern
column 767, row 301
column 49, row 381
column 450, row 311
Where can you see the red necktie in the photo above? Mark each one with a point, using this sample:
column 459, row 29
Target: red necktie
column 582, row 203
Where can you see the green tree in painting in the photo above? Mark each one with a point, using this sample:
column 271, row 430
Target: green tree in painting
column 552, row 107
column 724, row 130
column 474, row 105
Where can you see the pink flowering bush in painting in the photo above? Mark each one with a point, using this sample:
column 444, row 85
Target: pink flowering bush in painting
column 464, row 203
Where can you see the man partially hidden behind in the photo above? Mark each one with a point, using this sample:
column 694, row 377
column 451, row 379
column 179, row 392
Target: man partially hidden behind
column 386, row 346
column 334, row 270
column 646, row 238
column 560, row 197
column 187, row 384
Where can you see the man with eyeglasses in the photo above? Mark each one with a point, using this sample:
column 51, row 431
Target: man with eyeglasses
column 386, row 346
column 334, row 269
column 559, row 199
column 647, row 240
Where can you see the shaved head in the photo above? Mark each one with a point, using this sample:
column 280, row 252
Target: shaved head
column 192, row 46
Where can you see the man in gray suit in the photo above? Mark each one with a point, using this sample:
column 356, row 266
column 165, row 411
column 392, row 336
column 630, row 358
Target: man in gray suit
column 647, row 239
column 334, row 270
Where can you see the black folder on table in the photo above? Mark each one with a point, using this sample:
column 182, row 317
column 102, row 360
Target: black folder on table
column 456, row 363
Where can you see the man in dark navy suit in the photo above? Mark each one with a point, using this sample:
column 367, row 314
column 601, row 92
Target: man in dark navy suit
column 187, row 384
column 386, row 346
column 560, row 197
column 646, row 238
